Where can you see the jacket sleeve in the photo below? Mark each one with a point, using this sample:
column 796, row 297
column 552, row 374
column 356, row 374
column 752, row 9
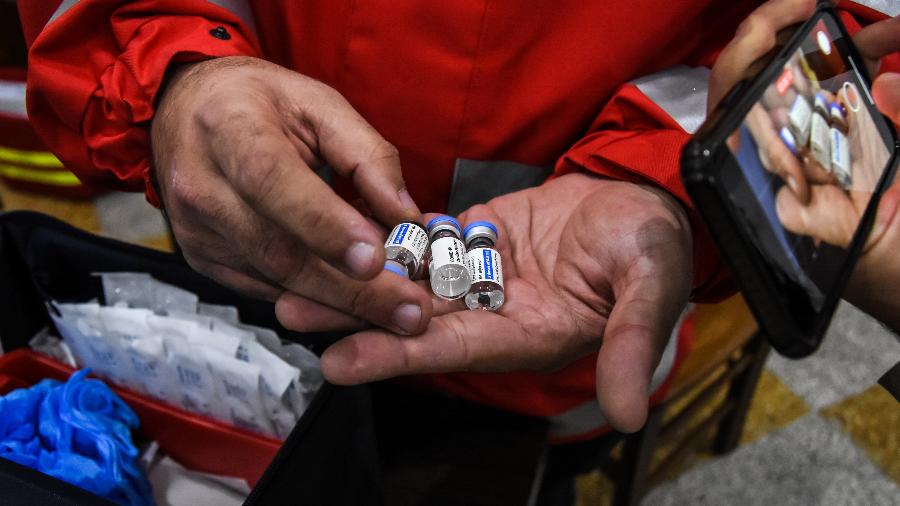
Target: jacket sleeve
column 96, row 66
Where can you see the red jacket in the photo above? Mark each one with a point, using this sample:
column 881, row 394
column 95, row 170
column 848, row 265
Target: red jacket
column 542, row 84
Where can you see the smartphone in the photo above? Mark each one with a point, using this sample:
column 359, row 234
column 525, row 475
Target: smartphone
column 787, row 172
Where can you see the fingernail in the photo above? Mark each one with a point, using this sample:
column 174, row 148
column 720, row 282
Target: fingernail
column 793, row 184
column 407, row 317
column 407, row 200
column 878, row 230
column 359, row 258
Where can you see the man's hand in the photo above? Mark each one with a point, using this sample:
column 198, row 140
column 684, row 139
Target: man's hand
column 235, row 141
column 585, row 261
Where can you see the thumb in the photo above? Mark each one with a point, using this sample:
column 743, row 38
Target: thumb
column 633, row 342
column 886, row 92
column 355, row 150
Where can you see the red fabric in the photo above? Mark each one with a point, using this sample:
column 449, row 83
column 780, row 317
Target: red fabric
column 95, row 71
column 855, row 16
column 535, row 83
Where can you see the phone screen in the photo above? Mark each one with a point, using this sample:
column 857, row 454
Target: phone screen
column 810, row 154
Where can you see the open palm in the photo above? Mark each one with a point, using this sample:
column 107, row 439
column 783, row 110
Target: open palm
column 586, row 261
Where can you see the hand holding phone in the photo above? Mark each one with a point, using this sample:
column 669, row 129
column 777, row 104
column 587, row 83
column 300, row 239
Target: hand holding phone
column 789, row 167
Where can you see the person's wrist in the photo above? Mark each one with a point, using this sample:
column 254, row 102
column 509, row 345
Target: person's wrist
column 874, row 285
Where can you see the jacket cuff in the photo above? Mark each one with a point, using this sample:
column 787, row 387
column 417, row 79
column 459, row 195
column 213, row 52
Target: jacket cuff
column 95, row 114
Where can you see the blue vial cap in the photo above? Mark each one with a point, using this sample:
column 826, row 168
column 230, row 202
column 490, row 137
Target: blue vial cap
column 396, row 269
column 444, row 219
column 788, row 139
column 487, row 224
column 836, row 110
column 821, row 100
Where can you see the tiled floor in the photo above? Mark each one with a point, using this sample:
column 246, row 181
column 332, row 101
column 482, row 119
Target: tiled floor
column 820, row 432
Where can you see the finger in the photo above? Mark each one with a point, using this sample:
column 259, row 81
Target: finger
column 786, row 165
column 388, row 300
column 242, row 282
column 636, row 334
column 878, row 40
column 888, row 208
column 265, row 170
column 886, row 92
column 207, row 253
column 354, row 149
column 755, row 37
column 829, row 215
column 306, row 315
column 463, row 341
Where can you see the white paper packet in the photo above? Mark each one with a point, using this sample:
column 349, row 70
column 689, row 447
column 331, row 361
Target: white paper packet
column 277, row 373
column 203, row 321
column 194, row 385
column 169, row 327
column 238, row 387
column 81, row 328
column 65, row 318
column 207, row 339
column 148, row 359
column 46, row 343
column 221, row 326
column 266, row 337
column 124, row 322
column 173, row 485
column 139, row 289
column 224, row 313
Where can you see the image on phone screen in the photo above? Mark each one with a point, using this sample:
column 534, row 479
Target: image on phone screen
column 811, row 150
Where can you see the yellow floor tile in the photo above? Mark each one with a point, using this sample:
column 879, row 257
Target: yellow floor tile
column 594, row 489
column 774, row 406
column 872, row 418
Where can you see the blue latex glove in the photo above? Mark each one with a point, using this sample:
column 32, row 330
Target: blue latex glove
column 79, row 432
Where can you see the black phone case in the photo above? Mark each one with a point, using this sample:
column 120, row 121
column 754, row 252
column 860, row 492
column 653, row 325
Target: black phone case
column 700, row 161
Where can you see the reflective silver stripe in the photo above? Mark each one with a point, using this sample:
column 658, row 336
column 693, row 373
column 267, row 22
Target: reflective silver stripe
column 63, row 7
column 240, row 8
column 889, row 7
column 587, row 417
column 12, row 99
column 681, row 92
column 476, row 182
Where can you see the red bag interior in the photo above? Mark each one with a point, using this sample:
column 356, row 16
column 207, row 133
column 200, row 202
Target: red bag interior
column 198, row 443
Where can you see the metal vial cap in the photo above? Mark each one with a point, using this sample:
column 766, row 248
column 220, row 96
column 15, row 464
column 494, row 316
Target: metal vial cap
column 479, row 229
column 443, row 222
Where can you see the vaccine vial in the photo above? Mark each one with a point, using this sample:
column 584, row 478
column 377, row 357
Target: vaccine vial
column 486, row 292
column 799, row 119
column 448, row 264
column 787, row 137
column 405, row 248
column 840, row 151
column 820, row 133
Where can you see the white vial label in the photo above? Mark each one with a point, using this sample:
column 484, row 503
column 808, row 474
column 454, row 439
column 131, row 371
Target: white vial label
column 486, row 266
column 799, row 118
column 409, row 237
column 448, row 251
column 819, row 143
column 840, row 156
